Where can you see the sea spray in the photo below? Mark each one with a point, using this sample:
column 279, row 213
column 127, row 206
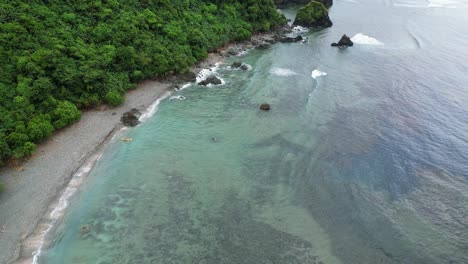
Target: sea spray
column 299, row 29
column 282, row 72
column 205, row 73
column 177, row 97
column 316, row 73
column 151, row 110
column 365, row 40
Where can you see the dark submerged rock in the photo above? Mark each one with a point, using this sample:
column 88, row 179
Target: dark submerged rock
column 244, row 67
column 263, row 46
column 344, row 42
column 211, row 80
column 131, row 118
column 314, row 14
column 265, row 107
column 85, row 229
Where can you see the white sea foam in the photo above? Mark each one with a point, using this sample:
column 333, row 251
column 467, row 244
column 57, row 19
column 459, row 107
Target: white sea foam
column 177, row 97
column 410, row 3
column 283, row 72
column 299, row 29
column 242, row 53
column 316, row 73
column 153, row 107
column 205, row 73
column 427, row 3
column 185, row 86
column 365, row 40
column 443, row 3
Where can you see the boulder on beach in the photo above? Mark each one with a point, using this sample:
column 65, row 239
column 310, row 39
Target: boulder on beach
column 188, row 77
column 314, row 14
column 131, row 118
column 211, row 80
column 344, row 42
column 265, row 107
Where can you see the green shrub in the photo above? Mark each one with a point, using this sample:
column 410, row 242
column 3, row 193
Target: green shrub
column 57, row 56
column 40, row 127
column 114, row 98
column 66, row 113
column 25, row 150
column 311, row 13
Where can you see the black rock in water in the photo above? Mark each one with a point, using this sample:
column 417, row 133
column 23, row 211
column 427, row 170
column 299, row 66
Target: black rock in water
column 263, row 46
column 211, row 80
column 290, row 40
column 244, row 67
column 236, row 64
column 265, row 107
column 344, row 42
column 131, row 118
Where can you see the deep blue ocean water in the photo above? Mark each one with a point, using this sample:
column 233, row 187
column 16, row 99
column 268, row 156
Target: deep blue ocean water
column 366, row 164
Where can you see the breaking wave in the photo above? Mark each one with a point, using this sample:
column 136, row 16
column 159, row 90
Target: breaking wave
column 365, row 40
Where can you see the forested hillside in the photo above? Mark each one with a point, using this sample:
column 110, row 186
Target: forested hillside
column 61, row 56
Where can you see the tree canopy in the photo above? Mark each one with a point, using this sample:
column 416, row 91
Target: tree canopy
column 60, row 56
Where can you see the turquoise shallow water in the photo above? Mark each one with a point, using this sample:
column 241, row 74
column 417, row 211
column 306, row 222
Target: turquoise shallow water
column 364, row 165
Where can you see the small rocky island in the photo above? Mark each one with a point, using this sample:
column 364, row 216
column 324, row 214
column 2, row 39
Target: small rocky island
column 314, row 14
column 344, row 42
column 284, row 3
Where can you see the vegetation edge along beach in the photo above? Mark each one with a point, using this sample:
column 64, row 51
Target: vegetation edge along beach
column 60, row 58
column 38, row 99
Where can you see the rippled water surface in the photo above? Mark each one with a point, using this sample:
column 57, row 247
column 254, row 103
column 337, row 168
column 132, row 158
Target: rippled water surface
column 366, row 164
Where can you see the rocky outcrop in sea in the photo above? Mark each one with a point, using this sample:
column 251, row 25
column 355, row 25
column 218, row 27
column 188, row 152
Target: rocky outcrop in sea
column 344, row 42
column 283, row 3
column 314, row 14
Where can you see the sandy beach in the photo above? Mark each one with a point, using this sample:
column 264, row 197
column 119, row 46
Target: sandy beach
column 29, row 190
column 32, row 188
